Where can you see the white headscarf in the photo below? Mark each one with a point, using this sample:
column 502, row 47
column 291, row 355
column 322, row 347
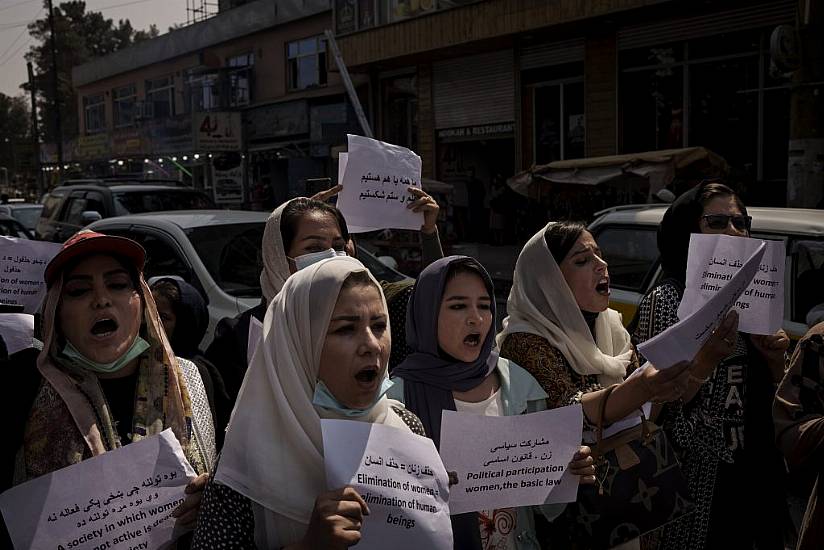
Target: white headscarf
column 275, row 266
column 542, row 303
column 273, row 453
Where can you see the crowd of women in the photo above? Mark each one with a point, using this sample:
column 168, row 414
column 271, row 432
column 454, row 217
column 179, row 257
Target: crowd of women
column 120, row 361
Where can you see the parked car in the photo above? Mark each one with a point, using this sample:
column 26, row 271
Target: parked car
column 25, row 212
column 627, row 236
column 217, row 251
column 78, row 203
column 10, row 227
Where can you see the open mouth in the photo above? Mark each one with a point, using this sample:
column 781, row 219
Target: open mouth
column 602, row 287
column 473, row 339
column 104, row 327
column 367, row 375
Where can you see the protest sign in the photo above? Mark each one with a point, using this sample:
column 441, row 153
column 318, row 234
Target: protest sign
column 401, row 478
column 509, row 461
column 17, row 330
column 121, row 499
column 714, row 259
column 375, row 177
column 681, row 341
column 22, row 263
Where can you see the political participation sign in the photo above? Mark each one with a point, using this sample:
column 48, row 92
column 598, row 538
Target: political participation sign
column 715, row 259
column 510, row 461
column 375, row 178
column 681, row 341
column 121, row 499
column 401, row 478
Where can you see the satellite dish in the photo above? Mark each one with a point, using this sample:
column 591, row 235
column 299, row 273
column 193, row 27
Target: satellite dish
column 784, row 49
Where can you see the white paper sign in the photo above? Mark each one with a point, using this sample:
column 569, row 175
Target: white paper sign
column 714, row 259
column 375, row 176
column 681, row 341
column 509, row 461
column 120, row 499
column 401, row 478
column 255, row 335
column 17, row 330
column 22, row 263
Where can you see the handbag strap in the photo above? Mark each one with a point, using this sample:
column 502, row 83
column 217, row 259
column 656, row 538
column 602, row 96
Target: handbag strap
column 646, row 432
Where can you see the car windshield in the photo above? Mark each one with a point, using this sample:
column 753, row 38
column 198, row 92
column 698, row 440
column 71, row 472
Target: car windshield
column 137, row 202
column 231, row 254
column 9, row 228
column 28, row 215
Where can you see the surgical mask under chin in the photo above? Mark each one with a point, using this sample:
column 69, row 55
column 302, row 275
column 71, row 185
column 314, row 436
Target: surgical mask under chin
column 137, row 348
column 306, row 260
column 324, row 398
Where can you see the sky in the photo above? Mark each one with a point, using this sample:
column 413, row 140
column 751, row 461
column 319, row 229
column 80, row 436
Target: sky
column 15, row 39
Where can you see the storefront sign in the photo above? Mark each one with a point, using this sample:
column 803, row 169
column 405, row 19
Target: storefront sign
column 278, row 120
column 217, row 131
column 504, row 129
column 93, row 147
column 227, row 175
column 127, row 143
column 171, row 135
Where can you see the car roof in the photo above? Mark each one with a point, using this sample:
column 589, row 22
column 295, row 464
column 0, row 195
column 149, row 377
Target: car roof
column 770, row 219
column 186, row 219
column 134, row 187
column 21, row 205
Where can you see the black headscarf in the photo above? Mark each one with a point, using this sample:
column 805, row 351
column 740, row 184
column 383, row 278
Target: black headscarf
column 681, row 219
column 192, row 319
column 430, row 376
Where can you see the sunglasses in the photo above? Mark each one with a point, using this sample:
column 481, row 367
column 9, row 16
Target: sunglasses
column 720, row 221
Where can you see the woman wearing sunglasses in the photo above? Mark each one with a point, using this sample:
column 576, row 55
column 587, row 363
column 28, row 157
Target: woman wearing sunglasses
column 722, row 426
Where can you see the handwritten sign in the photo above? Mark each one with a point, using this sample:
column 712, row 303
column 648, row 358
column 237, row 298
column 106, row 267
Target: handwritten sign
column 17, row 330
column 22, row 263
column 120, row 499
column 681, row 341
column 401, row 478
column 509, row 461
column 714, row 259
column 375, row 177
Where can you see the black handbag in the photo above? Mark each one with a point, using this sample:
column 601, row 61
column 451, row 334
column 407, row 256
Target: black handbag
column 639, row 485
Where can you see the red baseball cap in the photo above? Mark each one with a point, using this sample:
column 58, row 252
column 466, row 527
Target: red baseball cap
column 86, row 243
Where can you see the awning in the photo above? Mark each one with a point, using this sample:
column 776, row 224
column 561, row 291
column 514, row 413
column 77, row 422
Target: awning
column 657, row 169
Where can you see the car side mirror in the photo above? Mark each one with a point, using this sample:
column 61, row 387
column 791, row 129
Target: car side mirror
column 90, row 216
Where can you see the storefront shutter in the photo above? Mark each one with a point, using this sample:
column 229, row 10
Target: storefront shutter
column 474, row 90
column 554, row 53
column 674, row 30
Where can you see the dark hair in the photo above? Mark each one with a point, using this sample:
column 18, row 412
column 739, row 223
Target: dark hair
column 299, row 207
column 358, row 278
column 471, row 267
column 715, row 189
column 169, row 290
column 560, row 237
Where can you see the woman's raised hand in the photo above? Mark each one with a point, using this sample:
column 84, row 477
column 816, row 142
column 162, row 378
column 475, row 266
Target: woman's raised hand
column 666, row 384
column 773, row 347
column 426, row 204
column 336, row 520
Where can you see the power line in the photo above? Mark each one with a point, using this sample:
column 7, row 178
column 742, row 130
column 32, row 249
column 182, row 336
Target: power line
column 18, row 4
column 121, row 5
column 3, row 55
column 9, row 58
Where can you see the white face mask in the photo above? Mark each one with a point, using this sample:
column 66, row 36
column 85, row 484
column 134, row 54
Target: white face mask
column 306, row 260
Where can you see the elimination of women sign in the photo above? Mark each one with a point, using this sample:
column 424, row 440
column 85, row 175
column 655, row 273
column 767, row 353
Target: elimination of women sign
column 401, row 478
column 121, row 499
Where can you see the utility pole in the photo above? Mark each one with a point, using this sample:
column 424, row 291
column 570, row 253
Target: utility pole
column 35, row 133
column 58, row 126
column 805, row 174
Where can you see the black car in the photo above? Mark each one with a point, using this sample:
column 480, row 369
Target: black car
column 10, row 227
column 75, row 204
column 26, row 213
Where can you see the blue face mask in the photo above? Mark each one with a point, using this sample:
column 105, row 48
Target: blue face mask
column 137, row 348
column 324, row 398
column 306, row 260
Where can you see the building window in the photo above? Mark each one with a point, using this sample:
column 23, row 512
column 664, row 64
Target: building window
column 560, row 125
column 202, row 92
column 240, row 79
column 400, row 110
column 160, row 97
column 124, row 100
column 94, row 108
column 306, row 62
column 715, row 92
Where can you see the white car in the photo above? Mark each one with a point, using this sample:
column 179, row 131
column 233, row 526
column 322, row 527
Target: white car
column 217, row 251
